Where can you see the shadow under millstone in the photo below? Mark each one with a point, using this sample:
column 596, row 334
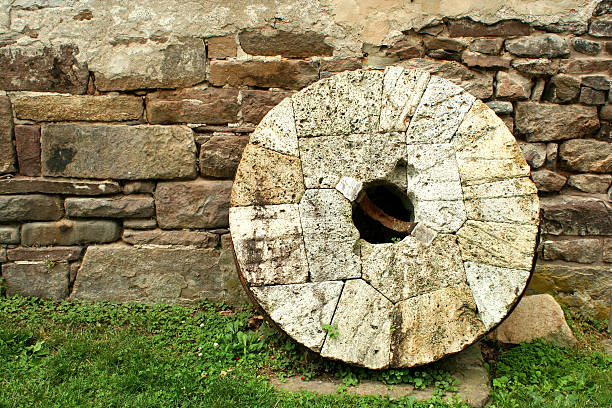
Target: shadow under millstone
column 467, row 366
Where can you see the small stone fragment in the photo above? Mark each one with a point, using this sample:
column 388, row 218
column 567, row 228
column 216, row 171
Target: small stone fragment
column 139, row 224
column 548, row 181
column 135, row 187
column 501, row 107
column 538, row 66
column 9, row 234
column 487, row 45
column 534, row 153
column 474, row 59
column 349, row 187
column 512, row 86
column 585, row 46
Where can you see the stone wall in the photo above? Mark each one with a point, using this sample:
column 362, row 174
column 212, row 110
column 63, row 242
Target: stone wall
column 121, row 127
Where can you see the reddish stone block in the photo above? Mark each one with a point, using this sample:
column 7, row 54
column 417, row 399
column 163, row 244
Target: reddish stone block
column 27, row 139
column 265, row 74
column 255, row 104
column 222, row 47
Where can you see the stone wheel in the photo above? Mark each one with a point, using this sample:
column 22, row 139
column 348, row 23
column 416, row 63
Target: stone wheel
column 384, row 218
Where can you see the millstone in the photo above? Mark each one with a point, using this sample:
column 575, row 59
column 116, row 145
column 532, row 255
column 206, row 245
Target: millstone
column 384, row 218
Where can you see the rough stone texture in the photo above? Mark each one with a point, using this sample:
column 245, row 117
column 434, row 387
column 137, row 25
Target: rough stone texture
column 265, row 74
column 575, row 215
column 548, row 181
column 9, row 234
column 534, row 153
column 330, row 238
column 200, row 239
column 586, row 155
column 585, row 46
column 537, row 316
column 515, row 187
column 361, row 303
column 590, row 183
column 7, row 151
column 42, row 68
column 546, row 122
column 487, row 45
column 20, row 185
column 27, row 143
column 175, row 276
column 538, row 66
column 135, row 187
column 466, row 27
column 432, row 325
column 402, row 91
column 582, row 250
column 599, row 82
column 544, row 45
column 276, row 131
column 589, row 96
column 585, row 66
column 474, row 59
column 267, row 177
column 255, row 104
column 284, row 43
column 87, row 108
column 269, row 245
column 562, row 88
column 52, row 254
column 37, row 279
column 607, row 250
column 517, row 209
column 220, row 155
column 192, row 204
column 139, row 224
column 117, row 151
column 34, row 207
column 495, row 290
column 115, row 207
column 601, row 28
column 501, row 107
column 69, row 232
column 222, row 47
column 195, row 105
column 301, row 309
column 513, row 86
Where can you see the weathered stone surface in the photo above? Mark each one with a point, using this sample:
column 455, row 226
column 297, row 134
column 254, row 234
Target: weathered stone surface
column 449, row 44
column 139, row 224
column 444, row 55
column 487, row 45
column 586, row 66
column 474, row 59
column 604, row 7
column 494, row 289
column 112, row 207
column 585, row 46
column 175, row 276
column 590, row 96
column 284, row 43
column 34, row 207
column 538, row 89
column 365, row 157
column 552, row 153
column 544, row 122
column 544, row 45
column 599, row 82
column 195, row 105
column 607, row 250
column 466, row 27
column 514, row 187
column 36, row 279
column 117, row 151
column 402, row 91
column 590, row 183
column 534, row 153
column 339, row 65
column 192, row 204
column 27, row 143
column 406, row 48
column 42, row 68
column 498, row 244
column 9, row 234
column 19, row 185
column 562, row 88
column 420, row 324
column 537, row 316
column 547, row 180
column 267, row 177
column 365, row 344
column 269, row 245
column 135, row 187
column 479, row 84
column 255, row 104
column 349, row 187
column 222, row 47
column 200, row 239
column 409, row 268
column 439, row 113
column 606, row 112
column 301, row 309
column 45, row 254
column 539, row 66
column 349, row 107
column 586, row 155
column 265, row 74
column 330, row 237
column 601, row 28
column 575, row 215
column 582, row 250
column 515, row 209
column 513, row 86
column 276, row 131
column 87, row 108
column 7, row 150
column 501, row 107
column 124, row 67
column 68, row 232
column 220, row 155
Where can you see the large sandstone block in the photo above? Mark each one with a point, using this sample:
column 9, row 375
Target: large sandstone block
column 284, row 43
column 7, row 150
column 212, row 105
column 153, row 275
column 265, row 74
column 20, row 185
column 586, row 155
column 112, row 207
column 34, row 207
column 118, row 151
column 193, row 204
column 548, row 122
column 68, row 232
column 575, row 215
column 37, row 279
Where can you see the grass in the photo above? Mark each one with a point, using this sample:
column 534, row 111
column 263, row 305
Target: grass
column 74, row 354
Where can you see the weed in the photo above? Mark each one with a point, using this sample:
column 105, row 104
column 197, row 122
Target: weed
column 331, row 330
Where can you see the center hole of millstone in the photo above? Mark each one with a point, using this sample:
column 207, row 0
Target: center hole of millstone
column 383, row 213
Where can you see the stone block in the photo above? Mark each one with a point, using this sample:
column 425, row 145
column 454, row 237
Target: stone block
column 276, row 131
column 550, row 122
column 590, row 96
column 9, row 234
column 52, row 254
column 544, row 45
column 466, row 27
column 27, row 143
column 255, row 103
column 222, row 47
column 607, row 250
column 586, row 155
column 40, row 279
column 534, row 153
column 585, row 65
column 575, row 215
column 33, row 207
column 584, row 46
column 582, row 250
column 284, row 43
column 193, row 204
column 441, row 43
column 548, row 181
column 341, row 64
column 475, row 59
column 112, row 207
column 7, row 150
column 492, row 46
column 220, row 155
column 210, row 105
column 200, row 239
column 601, row 28
column 402, row 92
column 590, row 183
column 20, row 185
column 501, row 107
column 139, row 224
column 69, row 232
column 266, row 74
column 43, row 68
column 513, row 86
column 562, row 88
column 599, row 82
column 154, row 275
column 85, row 108
column 118, row 151
column 537, row 66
